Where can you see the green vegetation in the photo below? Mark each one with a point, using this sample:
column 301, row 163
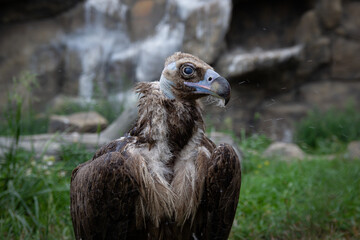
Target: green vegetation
column 109, row 110
column 20, row 112
column 34, row 190
column 330, row 131
column 19, row 117
column 309, row 199
column 34, row 198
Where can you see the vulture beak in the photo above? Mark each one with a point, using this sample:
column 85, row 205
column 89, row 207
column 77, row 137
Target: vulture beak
column 212, row 84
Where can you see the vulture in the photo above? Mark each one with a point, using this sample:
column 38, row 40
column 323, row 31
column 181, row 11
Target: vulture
column 164, row 179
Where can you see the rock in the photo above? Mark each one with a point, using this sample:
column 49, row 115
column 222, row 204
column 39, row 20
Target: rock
column 330, row 12
column 308, row 29
column 22, row 10
column 181, row 28
column 284, row 151
column 277, row 119
column 327, row 94
column 106, row 15
column 197, row 27
column 346, row 59
column 154, row 50
column 73, row 19
column 353, row 150
column 219, row 138
column 237, row 63
column 72, row 72
column 265, row 24
column 26, row 48
column 47, row 62
column 77, row 122
column 316, row 53
column 107, row 45
column 350, row 23
column 206, row 23
column 121, row 71
column 144, row 16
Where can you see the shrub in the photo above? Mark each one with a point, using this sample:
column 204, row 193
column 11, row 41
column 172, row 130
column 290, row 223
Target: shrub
column 330, row 131
column 18, row 117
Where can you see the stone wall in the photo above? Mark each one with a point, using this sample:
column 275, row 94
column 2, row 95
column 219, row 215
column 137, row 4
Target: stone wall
column 14, row 11
column 283, row 58
column 277, row 92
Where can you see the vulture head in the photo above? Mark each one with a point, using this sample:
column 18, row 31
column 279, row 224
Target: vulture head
column 187, row 77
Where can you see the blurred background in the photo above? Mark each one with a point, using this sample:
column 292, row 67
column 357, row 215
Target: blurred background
column 68, row 67
column 283, row 58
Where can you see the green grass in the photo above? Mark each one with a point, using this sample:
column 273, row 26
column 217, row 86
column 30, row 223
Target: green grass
column 309, row 199
column 330, row 131
column 19, row 117
column 315, row 199
column 34, row 190
column 34, row 198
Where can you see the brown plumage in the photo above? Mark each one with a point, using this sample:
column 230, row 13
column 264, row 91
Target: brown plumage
column 164, row 179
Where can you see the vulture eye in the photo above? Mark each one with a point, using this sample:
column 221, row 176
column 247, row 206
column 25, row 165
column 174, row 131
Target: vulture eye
column 187, row 71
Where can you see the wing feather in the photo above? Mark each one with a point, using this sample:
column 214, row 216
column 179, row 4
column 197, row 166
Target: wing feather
column 102, row 194
column 223, row 183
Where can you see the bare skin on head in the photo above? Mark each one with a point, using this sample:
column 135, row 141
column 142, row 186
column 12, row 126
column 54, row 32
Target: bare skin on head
column 164, row 179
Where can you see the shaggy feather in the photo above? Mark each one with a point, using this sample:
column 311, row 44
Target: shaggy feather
column 164, row 179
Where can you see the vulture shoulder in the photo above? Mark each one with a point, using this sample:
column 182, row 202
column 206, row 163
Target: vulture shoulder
column 102, row 193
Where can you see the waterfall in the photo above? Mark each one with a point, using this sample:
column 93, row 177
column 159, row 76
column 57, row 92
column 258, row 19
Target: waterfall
column 103, row 42
column 95, row 42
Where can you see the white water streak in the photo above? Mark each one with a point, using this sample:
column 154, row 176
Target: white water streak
column 246, row 62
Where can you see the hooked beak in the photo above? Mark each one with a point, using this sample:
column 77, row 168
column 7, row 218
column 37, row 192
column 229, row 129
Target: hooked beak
column 212, row 84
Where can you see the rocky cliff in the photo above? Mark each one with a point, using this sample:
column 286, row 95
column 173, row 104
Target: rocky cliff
column 283, row 58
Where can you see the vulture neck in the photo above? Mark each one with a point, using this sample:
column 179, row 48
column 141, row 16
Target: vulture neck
column 167, row 122
column 166, row 86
